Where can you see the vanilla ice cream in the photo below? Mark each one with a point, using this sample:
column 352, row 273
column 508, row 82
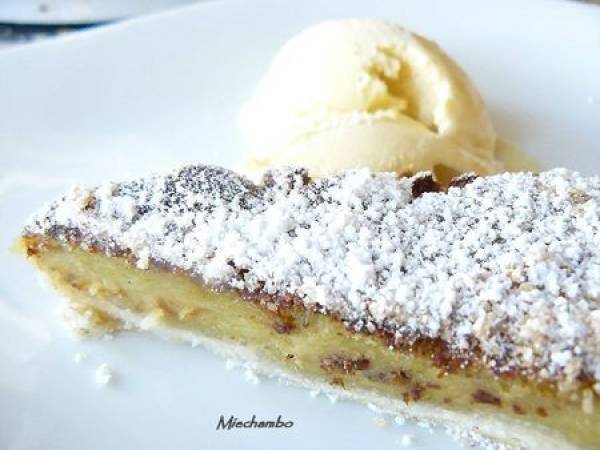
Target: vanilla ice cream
column 364, row 93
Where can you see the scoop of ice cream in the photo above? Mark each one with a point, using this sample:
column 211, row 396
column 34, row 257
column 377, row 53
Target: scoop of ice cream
column 364, row 93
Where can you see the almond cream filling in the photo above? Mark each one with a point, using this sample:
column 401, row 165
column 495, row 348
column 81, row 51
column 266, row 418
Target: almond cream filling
column 315, row 349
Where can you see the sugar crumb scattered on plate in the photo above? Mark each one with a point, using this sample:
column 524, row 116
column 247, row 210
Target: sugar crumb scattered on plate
column 104, row 374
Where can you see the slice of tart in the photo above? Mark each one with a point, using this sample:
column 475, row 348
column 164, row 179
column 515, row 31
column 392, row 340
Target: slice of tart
column 475, row 307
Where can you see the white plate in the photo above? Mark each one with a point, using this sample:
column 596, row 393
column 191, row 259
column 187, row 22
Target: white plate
column 151, row 93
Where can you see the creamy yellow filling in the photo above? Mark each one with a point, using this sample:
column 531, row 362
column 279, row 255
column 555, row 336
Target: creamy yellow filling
column 310, row 343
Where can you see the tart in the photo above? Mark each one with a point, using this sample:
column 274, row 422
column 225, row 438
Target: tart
column 475, row 306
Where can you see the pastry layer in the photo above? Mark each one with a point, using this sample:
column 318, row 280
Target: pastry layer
column 504, row 271
column 318, row 347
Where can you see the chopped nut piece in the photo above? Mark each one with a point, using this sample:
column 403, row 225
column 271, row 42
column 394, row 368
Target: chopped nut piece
column 343, row 364
column 482, row 396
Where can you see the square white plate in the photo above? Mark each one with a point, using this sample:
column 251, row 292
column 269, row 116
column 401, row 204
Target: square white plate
column 154, row 92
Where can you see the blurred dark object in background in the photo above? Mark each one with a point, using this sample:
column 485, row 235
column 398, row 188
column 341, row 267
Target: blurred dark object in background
column 27, row 20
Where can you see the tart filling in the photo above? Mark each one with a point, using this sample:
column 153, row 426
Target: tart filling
column 482, row 299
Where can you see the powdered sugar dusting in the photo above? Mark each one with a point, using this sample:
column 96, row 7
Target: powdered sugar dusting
column 507, row 266
column 103, row 374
